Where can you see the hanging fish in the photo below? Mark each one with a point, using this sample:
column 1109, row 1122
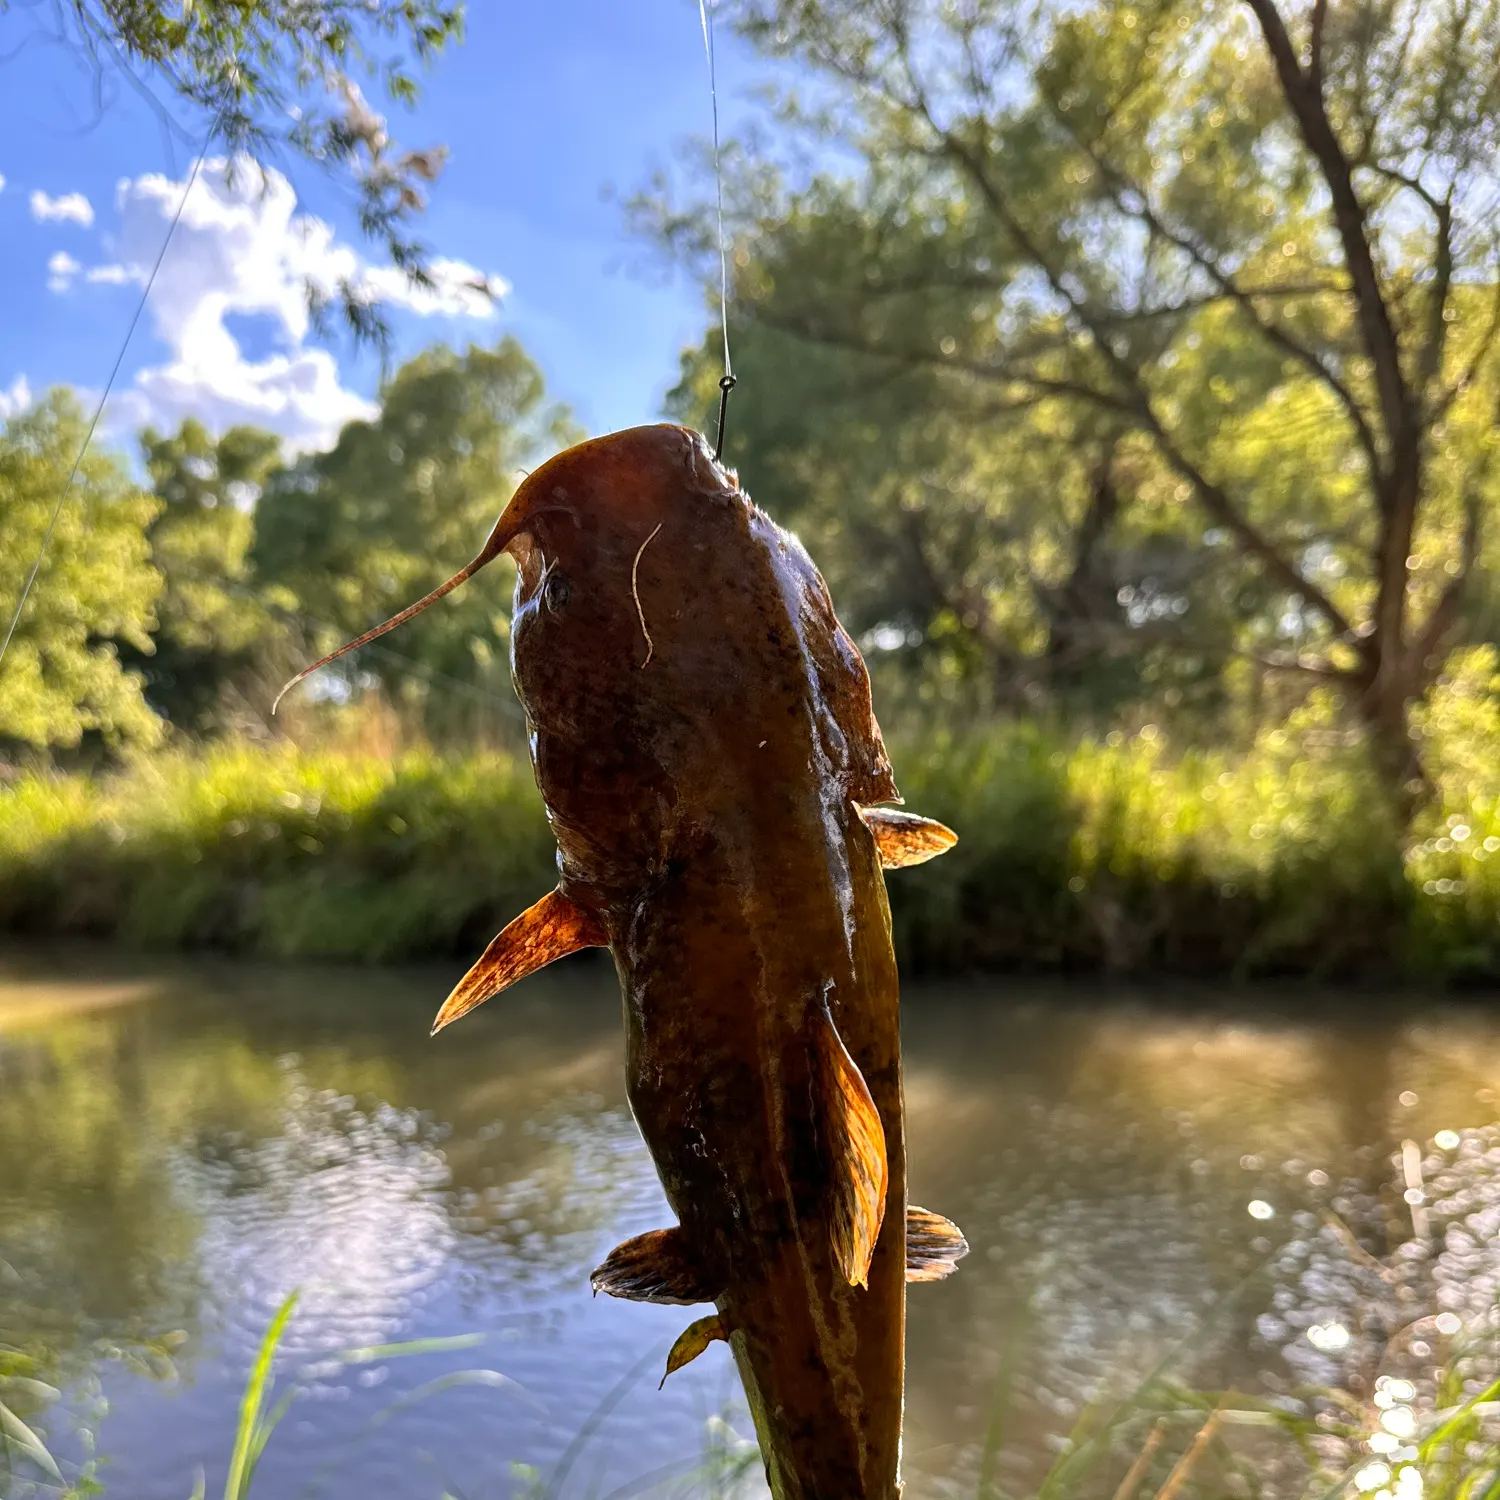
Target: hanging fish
column 703, row 737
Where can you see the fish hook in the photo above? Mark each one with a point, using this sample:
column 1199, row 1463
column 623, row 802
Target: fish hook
column 726, row 384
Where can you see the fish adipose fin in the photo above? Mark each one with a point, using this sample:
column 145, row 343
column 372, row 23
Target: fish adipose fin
column 905, row 839
column 934, row 1245
column 853, row 1143
column 552, row 929
column 655, row 1267
column 692, row 1341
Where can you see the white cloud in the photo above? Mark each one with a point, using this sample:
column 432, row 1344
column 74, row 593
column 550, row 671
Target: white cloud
column 2, row 182
column 15, row 398
column 242, row 248
column 61, row 270
column 69, row 208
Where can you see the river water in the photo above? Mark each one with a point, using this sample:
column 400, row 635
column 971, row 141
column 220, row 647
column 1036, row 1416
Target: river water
column 1143, row 1177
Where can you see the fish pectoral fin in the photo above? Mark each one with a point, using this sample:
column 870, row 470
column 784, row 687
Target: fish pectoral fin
column 552, row 929
column 904, row 839
column 655, row 1267
column 934, row 1245
column 853, row 1143
column 692, row 1341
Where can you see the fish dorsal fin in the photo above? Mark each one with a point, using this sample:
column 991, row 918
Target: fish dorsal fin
column 853, row 1143
column 655, row 1267
column 692, row 1341
column 934, row 1245
column 904, row 839
column 552, row 929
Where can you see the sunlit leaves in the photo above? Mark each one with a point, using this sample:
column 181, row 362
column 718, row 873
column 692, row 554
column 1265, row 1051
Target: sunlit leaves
column 62, row 676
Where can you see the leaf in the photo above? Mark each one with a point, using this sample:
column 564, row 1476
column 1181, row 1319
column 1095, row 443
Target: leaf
column 241, row 1463
column 28, row 1442
column 38, row 1388
column 442, row 1345
column 493, row 1379
column 692, row 1341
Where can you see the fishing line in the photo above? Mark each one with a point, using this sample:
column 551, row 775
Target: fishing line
column 109, row 384
column 727, row 381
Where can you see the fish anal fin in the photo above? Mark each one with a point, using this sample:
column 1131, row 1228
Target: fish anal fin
column 655, row 1267
column 853, row 1144
column 904, row 838
column 934, row 1245
column 555, row 927
column 692, row 1341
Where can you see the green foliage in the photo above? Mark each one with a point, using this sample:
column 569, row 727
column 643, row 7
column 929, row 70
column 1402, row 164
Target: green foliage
column 210, row 591
column 402, row 502
column 1118, row 855
column 63, row 677
column 212, row 627
column 1235, row 265
column 278, row 852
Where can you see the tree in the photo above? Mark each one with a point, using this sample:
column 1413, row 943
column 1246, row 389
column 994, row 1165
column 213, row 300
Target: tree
column 1260, row 248
column 984, row 559
column 212, row 626
column 62, row 677
column 277, row 79
column 401, row 502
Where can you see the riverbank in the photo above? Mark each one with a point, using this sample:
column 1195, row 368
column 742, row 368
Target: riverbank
column 1124, row 855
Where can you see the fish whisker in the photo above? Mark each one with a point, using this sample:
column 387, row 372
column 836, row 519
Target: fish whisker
column 635, row 593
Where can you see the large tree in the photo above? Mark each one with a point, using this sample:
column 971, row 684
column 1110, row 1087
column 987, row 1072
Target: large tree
column 62, row 677
column 1258, row 244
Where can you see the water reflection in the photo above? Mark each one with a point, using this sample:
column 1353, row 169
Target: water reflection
column 1218, row 1181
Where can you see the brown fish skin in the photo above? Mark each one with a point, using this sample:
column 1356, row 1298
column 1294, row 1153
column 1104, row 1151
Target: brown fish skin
column 704, row 804
column 703, row 738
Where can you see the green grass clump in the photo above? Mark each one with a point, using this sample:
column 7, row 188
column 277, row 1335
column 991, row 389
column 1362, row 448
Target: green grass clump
column 1124, row 854
column 278, row 852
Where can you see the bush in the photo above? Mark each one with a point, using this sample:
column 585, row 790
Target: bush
column 1116, row 855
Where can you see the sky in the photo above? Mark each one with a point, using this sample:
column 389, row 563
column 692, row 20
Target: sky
column 546, row 106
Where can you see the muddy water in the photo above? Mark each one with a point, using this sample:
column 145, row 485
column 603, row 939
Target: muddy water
column 1142, row 1177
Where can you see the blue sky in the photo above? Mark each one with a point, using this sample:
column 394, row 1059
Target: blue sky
column 544, row 106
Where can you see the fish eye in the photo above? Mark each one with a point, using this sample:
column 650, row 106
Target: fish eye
column 556, row 590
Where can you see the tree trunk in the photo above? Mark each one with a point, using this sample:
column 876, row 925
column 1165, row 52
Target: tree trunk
column 1384, row 707
column 1084, row 604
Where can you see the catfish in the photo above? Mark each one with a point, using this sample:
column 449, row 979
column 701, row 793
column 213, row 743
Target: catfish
column 702, row 733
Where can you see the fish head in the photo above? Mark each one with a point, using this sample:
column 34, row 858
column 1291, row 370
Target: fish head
column 615, row 541
column 671, row 645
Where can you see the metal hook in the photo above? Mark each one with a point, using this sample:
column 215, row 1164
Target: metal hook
column 726, row 384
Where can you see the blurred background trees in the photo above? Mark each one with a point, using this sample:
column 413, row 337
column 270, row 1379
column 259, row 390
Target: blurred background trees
column 1124, row 364
column 180, row 602
column 1157, row 340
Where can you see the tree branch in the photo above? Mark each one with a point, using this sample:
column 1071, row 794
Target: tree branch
column 1048, row 386
column 1120, row 184
column 1377, row 330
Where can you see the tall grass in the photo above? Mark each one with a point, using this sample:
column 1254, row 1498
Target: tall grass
column 1121, row 854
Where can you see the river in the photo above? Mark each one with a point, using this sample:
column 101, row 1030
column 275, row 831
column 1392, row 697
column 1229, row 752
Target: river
column 1144, row 1176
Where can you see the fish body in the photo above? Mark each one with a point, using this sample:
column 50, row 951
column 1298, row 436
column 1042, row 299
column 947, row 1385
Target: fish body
column 703, row 738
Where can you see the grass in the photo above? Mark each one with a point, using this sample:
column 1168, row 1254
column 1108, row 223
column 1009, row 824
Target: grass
column 1161, row 1440
column 1122, row 854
